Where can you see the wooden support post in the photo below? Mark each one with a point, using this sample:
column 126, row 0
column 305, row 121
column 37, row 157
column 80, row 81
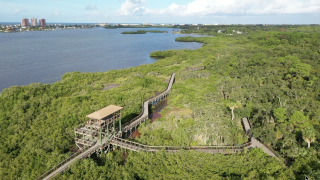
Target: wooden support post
column 100, row 136
column 120, row 126
column 114, row 129
column 91, row 133
column 107, row 132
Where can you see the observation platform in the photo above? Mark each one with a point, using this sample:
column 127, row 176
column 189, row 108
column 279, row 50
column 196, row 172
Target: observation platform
column 97, row 127
column 103, row 117
column 87, row 132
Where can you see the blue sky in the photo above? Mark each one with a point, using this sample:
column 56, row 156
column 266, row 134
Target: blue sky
column 164, row 11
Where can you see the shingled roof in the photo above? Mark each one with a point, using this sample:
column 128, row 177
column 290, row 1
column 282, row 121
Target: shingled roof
column 104, row 112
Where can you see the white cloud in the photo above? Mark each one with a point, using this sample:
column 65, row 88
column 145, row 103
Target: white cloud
column 57, row 13
column 286, row 7
column 130, row 6
column 18, row 11
column 91, row 7
column 224, row 7
column 140, row 11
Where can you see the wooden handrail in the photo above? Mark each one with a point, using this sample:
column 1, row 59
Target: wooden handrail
column 179, row 147
column 141, row 115
column 134, row 119
column 145, row 147
column 274, row 152
column 147, row 100
column 58, row 165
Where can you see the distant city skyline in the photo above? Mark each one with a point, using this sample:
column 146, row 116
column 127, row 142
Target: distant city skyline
column 42, row 22
column 34, row 21
column 165, row 11
column 26, row 22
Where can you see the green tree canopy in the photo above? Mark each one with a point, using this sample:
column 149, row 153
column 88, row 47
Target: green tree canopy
column 300, row 69
column 298, row 119
column 280, row 114
column 309, row 135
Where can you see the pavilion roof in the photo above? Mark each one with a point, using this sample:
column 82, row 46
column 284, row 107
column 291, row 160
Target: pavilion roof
column 104, row 112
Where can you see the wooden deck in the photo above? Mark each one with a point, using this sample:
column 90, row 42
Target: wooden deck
column 133, row 146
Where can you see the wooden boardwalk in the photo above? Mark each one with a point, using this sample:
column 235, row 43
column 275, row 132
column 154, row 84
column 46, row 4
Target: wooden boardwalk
column 246, row 125
column 255, row 143
column 133, row 146
column 145, row 107
column 93, row 148
column 64, row 165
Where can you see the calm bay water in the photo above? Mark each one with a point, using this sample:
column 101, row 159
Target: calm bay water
column 43, row 57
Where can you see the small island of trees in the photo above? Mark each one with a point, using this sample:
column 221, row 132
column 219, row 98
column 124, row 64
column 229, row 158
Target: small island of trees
column 143, row 32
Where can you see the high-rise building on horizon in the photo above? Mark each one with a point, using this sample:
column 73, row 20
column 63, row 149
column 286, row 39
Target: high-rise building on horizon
column 42, row 23
column 34, row 21
column 25, row 22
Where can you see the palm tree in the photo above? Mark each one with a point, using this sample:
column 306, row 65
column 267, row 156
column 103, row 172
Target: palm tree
column 232, row 106
column 309, row 135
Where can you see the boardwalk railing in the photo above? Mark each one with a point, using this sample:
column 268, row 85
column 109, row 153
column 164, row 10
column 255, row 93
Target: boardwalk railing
column 79, row 126
column 58, row 165
column 279, row 157
column 127, row 143
column 62, row 163
column 86, row 132
column 77, row 155
column 134, row 121
column 165, row 91
column 145, row 114
column 85, row 142
column 246, row 126
column 127, row 124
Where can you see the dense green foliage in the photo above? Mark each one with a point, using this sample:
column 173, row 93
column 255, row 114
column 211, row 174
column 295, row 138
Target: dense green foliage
column 135, row 32
column 190, row 39
column 181, row 165
column 243, row 29
column 143, row 32
column 163, row 54
column 37, row 120
column 269, row 74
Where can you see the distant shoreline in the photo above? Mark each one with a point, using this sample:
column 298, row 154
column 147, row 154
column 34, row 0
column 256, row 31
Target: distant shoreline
column 15, row 28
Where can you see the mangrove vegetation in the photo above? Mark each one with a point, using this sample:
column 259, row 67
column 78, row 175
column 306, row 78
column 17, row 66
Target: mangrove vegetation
column 269, row 74
column 143, row 32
